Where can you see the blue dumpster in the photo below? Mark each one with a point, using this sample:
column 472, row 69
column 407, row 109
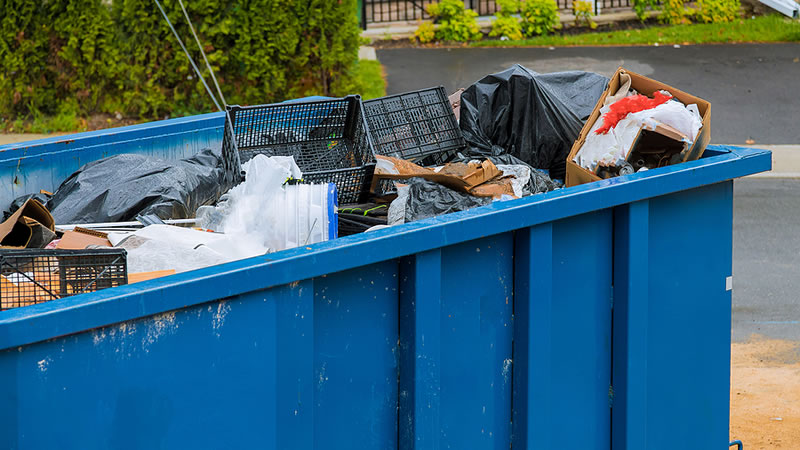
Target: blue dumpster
column 594, row 317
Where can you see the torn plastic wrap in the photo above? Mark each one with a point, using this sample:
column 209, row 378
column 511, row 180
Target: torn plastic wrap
column 535, row 117
column 120, row 187
column 538, row 181
column 267, row 215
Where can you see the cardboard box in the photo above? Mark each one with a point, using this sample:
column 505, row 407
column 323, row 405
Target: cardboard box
column 18, row 230
column 578, row 175
column 80, row 238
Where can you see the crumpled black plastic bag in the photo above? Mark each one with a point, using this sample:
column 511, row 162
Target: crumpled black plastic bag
column 118, row 188
column 429, row 199
column 535, row 117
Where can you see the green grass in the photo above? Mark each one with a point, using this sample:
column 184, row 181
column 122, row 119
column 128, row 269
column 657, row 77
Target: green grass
column 771, row 28
column 371, row 83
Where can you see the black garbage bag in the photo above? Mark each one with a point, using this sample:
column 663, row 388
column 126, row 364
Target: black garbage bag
column 118, row 188
column 429, row 199
column 535, row 117
column 19, row 201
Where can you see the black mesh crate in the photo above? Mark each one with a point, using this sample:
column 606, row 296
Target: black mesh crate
column 419, row 126
column 327, row 138
column 30, row 276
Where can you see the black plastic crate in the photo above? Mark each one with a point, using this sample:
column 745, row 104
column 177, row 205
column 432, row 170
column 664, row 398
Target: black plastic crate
column 327, row 138
column 30, row 276
column 419, row 126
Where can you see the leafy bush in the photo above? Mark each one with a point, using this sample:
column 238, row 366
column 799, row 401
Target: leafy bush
column 539, row 17
column 583, row 11
column 52, row 51
column 506, row 25
column 100, row 56
column 674, row 12
column 425, row 33
column 717, row 11
column 641, row 7
column 455, row 22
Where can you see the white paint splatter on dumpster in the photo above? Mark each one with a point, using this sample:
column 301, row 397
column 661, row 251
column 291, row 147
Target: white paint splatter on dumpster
column 158, row 326
column 507, row 370
column 43, row 364
column 223, row 308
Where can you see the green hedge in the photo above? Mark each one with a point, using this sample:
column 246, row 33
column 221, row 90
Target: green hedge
column 101, row 56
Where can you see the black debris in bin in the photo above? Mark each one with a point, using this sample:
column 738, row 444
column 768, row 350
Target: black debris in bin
column 30, row 276
column 418, row 126
column 534, row 117
column 327, row 138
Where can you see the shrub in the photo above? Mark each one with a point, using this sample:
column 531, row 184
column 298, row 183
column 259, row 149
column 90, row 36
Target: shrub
column 583, row 11
column 455, row 22
column 674, row 12
column 641, row 7
column 539, row 17
column 102, row 56
column 425, row 33
column 506, row 25
column 54, row 51
column 717, row 11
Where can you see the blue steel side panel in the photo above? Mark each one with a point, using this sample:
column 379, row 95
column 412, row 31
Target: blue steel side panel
column 629, row 379
column 476, row 333
column 461, row 385
column 27, row 167
column 305, row 366
column 355, row 358
column 420, row 347
column 562, row 321
column 678, row 322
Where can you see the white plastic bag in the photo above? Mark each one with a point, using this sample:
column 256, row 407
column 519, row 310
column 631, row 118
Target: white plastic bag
column 615, row 144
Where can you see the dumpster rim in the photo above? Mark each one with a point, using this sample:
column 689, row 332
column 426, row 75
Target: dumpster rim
column 22, row 326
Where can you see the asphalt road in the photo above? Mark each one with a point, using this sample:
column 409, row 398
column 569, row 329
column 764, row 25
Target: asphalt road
column 751, row 90
column 752, row 87
column 766, row 258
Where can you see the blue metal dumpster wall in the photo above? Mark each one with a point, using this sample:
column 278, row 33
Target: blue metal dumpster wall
column 594, row 317
column 28, row 167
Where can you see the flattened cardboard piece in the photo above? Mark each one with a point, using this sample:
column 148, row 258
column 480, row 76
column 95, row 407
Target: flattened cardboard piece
column 16, row 232
column 397, row 169
column 577, row 175
column 144, row 276
column 80, row 238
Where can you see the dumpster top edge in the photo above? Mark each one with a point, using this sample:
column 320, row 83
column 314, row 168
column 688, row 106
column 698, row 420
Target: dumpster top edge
column 75, row 314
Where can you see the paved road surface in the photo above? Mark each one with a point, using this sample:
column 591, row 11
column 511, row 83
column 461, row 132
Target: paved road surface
column 766, row 258
column 752, row 88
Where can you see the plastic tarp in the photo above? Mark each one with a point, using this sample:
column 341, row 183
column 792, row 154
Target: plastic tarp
column 534, row 117
column 118, row 188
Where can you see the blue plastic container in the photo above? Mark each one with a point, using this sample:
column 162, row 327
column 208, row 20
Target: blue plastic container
column 594, row 317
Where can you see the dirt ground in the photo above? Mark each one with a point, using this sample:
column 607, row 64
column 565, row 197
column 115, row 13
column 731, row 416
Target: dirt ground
column 765, row 393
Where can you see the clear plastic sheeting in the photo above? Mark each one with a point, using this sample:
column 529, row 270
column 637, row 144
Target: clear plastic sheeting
column 270, row 215
column 534, row 117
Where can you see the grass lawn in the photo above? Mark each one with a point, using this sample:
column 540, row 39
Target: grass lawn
column 772, row 28
column 372, row 83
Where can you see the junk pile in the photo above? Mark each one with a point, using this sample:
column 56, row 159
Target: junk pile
column 297, row 173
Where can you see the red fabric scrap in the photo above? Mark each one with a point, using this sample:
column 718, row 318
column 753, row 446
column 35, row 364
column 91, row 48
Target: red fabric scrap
column 624, row 106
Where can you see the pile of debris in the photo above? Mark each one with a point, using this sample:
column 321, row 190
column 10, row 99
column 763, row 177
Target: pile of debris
column 302, row 172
